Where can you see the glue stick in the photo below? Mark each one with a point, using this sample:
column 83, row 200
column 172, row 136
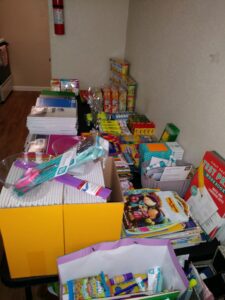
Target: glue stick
column 121, row 278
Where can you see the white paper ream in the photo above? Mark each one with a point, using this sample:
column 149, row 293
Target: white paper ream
column 72, row 195
column 49, row 193
column 132, row 258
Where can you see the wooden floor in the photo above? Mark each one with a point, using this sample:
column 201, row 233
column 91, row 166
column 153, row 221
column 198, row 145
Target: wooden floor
column 13, row 114
column 13, row 132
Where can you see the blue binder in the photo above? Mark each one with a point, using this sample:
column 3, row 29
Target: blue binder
column 56, row 102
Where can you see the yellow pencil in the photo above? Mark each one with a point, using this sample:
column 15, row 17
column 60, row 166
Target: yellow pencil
column 201, row 178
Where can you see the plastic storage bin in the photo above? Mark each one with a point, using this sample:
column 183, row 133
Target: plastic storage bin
column 179, row 186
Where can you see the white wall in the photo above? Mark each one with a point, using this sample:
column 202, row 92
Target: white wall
column 26, row 28
column 177, row 54
column 95, row 30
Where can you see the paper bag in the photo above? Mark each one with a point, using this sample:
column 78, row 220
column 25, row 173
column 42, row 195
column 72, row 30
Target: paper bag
column 123, row 256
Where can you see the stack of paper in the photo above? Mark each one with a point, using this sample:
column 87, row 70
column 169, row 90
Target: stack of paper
column 49, row 193
column 52, row 120
column 52, row 192
column 180, row 236
column 95, row 175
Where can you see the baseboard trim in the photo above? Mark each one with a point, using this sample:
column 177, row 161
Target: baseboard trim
column 29, row 88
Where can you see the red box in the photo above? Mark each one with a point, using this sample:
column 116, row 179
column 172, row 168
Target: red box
column 207, row 192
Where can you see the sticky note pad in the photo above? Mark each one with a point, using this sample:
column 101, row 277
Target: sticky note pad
column 157, row 147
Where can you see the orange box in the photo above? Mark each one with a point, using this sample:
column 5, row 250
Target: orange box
column 157, row 147
column 34, row 237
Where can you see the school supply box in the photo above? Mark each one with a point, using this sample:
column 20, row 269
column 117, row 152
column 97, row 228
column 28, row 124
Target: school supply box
column 100, row 268
column 172, row 178
column 54, row 219
column 162, row 167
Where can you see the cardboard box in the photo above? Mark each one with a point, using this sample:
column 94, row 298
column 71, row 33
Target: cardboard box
column 87, row 224
column 34, row 237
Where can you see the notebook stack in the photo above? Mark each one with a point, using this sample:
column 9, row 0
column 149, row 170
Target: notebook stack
column 53, row 113
column 52, row 120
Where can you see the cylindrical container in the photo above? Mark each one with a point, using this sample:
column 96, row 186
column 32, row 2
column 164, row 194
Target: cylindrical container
column 170, row 133
column 58, row 15
column 121, row 278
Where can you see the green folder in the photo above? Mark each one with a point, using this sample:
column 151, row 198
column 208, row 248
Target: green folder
column 57, row 94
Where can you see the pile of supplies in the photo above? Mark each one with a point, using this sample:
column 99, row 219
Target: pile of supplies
column 129, row 268
column 54, row 114
column 122, row 180
column 119, row 96
column 141, row 160
column 102, row 286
